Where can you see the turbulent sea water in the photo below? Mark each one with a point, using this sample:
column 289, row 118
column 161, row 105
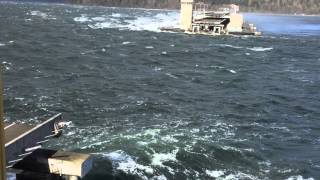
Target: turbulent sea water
column 152, row 105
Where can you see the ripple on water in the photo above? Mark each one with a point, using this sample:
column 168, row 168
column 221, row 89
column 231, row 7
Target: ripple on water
column 264, row 91
column 123, row 162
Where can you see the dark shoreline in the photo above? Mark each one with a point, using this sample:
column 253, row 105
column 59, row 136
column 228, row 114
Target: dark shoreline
column 62, row 2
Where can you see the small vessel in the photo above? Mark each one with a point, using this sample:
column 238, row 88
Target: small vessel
column 196, row 18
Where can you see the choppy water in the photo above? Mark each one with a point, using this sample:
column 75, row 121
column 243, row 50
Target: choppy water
column 151, row 105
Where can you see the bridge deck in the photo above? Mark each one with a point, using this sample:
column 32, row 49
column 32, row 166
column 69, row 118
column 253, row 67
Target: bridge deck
column 12, row 131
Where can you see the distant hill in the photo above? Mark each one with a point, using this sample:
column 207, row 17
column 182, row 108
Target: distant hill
column 276, row 6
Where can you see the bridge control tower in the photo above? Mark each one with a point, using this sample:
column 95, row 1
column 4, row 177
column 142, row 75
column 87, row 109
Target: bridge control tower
column 186, row 16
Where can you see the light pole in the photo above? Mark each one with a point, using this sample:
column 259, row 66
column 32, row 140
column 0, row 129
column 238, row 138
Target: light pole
column 2, row 148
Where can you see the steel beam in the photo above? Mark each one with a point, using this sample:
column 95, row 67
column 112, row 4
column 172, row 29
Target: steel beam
column 2, row 149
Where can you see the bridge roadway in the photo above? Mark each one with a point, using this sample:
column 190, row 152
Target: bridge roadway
column 12, row 131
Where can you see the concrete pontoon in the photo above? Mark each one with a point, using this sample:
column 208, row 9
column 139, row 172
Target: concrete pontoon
column 25, row 156
column 196, row 18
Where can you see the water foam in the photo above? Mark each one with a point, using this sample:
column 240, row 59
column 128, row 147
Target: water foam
column 232, row 71
column 123, row 162
column 260, row 49
column 228, row 45
column 159, row 158
column 127, row 42
column 161, row 177
column 42, row 15
column 299, row 177
column 117, row 15
column 240, row 175
column 151, row 22
column 215, row 174
column 99, row 18
column 7, row 65
column 154, row 23
column 83, row 18
column 171, row 75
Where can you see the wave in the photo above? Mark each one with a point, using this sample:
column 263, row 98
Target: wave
column 232, row 71
column 7, row 65
column 215, row 174
column 222, row 174
column 117, row 15
column 256, row 49
column 260, row 49
column 42, row 15
column 151, row 22
column 159, row 158
column 4, row 44
column 83, row 18
column 299, row 177
column 228, row 45
column 123, row 162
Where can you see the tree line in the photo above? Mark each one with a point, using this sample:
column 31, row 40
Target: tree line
column 275, row 6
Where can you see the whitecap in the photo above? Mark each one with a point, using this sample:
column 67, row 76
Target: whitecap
column 260, row 49
column 152, row 132
column 1, row 44
column 232, row 71
column 124, row 162
column 280, row 128
column 101, row 25
column 161, row 177
column 171, row 75
column 164, row 53
column 195, row 130
column 139, row 103
column 157, row 69
column 19, row 98
column 142, row 143
column 265, row 163
column 126, row 42
column 116, row 15
column 154, row 23
column 215, row 174
column 98, row 18
column 229, row 148
column 65, row 123
column 218, row 67
column 240, row 175
column 159, row 158
column 169, row 139
column 7, row 65
column 41, row 14
column 83, row 18
column 149, row 47
column 228, row 45
column 299, row 177
column 140, row 23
